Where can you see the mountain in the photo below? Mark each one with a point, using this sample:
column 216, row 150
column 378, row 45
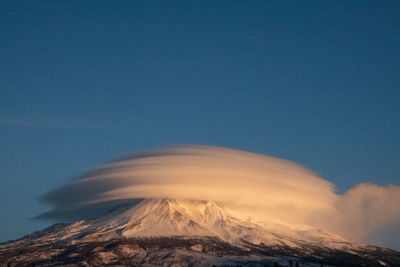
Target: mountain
column 187, row 232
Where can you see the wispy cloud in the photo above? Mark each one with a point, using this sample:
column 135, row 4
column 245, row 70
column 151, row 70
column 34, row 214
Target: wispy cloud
column 51, row 124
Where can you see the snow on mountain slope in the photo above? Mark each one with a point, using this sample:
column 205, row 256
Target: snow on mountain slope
column 168, row 217
column 185, row 231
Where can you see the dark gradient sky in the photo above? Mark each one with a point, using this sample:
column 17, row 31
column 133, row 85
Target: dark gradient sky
column 81, row 83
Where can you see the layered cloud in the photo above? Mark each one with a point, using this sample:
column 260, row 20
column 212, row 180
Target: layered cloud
column 265, row 187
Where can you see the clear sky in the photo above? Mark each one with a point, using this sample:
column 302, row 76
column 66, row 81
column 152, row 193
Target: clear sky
column 82, row 83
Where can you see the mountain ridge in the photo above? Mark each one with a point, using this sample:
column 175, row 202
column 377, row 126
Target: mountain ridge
column 198, row 232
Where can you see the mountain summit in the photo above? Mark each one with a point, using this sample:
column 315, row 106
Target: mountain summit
column 187, row 232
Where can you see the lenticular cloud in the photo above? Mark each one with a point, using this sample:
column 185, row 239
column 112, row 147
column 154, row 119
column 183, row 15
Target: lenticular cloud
column 264, row 187
column 199, row 172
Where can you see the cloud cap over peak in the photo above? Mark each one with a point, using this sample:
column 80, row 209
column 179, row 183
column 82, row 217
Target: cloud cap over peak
column 267, row 188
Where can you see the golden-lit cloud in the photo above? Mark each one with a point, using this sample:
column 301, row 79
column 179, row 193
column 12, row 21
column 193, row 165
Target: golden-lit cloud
column 264, row 187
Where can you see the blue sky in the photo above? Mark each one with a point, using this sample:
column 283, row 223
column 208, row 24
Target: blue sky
column 82, row 83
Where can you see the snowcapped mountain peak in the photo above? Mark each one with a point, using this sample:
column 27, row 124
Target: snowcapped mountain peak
column 181, row 228
column 194, row 218
column 166, row 217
